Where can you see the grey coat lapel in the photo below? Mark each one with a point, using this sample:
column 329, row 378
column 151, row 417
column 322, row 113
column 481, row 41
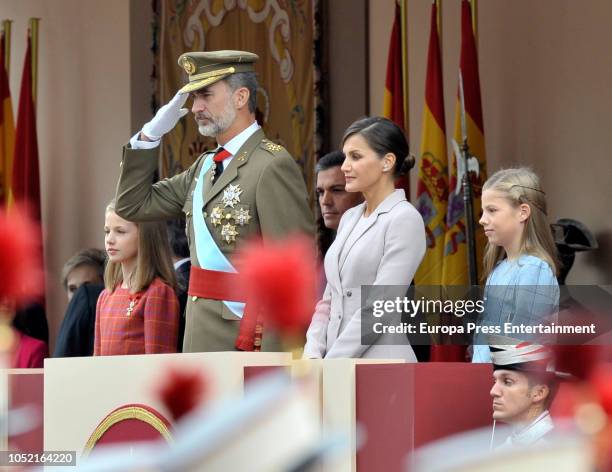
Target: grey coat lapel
column 336, row 248
column 385, row 206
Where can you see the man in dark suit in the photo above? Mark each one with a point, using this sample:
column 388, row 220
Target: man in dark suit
column 332, row 197
column 182, row 268
column 76, row 333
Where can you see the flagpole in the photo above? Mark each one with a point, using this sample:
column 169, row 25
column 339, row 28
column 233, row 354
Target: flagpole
column 474, row 8
column 404, row 39
column 439, row 22
column 466, row 183
column 6, row 30
column 34, row 42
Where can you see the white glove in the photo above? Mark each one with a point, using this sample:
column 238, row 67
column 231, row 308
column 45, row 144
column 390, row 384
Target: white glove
column 166, row 117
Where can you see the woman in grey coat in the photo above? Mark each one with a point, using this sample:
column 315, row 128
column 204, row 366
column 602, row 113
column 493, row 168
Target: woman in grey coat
column 379, row 242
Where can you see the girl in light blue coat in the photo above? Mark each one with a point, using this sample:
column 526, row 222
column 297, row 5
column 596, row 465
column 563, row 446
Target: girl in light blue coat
column 520, row 261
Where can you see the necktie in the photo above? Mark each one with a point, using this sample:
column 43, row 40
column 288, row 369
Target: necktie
column 220, row 156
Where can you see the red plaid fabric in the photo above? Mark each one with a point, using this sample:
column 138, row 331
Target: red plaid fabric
column 151, row 327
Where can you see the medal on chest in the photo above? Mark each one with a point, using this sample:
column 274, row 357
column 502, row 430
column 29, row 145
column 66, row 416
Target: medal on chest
column 227, row 217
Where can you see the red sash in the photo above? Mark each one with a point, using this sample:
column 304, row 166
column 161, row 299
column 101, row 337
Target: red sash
column 217, row 285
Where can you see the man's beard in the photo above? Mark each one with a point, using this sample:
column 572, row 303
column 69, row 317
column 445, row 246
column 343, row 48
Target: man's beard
column 220, row 124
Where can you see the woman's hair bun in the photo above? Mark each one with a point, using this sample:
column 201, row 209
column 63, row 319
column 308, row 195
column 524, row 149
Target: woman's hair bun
column 406, row 165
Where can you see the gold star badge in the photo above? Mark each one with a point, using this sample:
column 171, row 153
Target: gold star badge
column 231, row 195
column 229, row 233
column 242, row 216
column 216, row 216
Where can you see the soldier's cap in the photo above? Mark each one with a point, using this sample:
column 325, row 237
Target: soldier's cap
column 573, row 235
column 206, row 68
column 523, row 356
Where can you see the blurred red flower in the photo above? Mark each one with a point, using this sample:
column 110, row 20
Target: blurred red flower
column 280, row 279
column 576, row 360
column 602, row 384
column 182, row 391
column 21, row 274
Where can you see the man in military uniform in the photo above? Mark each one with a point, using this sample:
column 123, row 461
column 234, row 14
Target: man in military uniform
column 525, row 384
column 247, row 186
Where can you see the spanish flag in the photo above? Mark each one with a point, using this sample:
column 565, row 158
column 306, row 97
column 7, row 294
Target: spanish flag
column 455, row 265
column 7, row 130
column 394, row 102
column 432, row 184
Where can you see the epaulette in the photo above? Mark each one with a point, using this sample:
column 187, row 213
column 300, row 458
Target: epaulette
column 271, row 147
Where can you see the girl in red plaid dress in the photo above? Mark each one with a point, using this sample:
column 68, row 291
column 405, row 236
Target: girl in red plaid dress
column 138, row 312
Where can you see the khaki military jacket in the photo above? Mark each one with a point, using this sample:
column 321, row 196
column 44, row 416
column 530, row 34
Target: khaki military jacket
column 272, row 203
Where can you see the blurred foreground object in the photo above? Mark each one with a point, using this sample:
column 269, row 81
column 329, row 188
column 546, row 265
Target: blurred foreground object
column 470, row 452
column 280, row 279
column 272, row 427
column 21, row 274
column 182, row 391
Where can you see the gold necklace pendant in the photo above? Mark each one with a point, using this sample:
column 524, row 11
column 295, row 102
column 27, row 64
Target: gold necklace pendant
column 131, row 306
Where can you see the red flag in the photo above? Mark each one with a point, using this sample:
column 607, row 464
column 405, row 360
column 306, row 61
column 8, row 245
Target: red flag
column 393, row 105
column 26, row 182
column 7, row 130
column 393, row 102
column 25, row 185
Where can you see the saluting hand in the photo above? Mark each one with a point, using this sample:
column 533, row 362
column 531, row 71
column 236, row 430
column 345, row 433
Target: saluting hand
column 165, row 119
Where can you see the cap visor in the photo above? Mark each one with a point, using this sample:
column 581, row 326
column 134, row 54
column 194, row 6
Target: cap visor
column 198, row 84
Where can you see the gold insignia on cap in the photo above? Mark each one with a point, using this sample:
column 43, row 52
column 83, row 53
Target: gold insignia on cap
column 189, row 65
column 229, row 233
column 231, row 195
